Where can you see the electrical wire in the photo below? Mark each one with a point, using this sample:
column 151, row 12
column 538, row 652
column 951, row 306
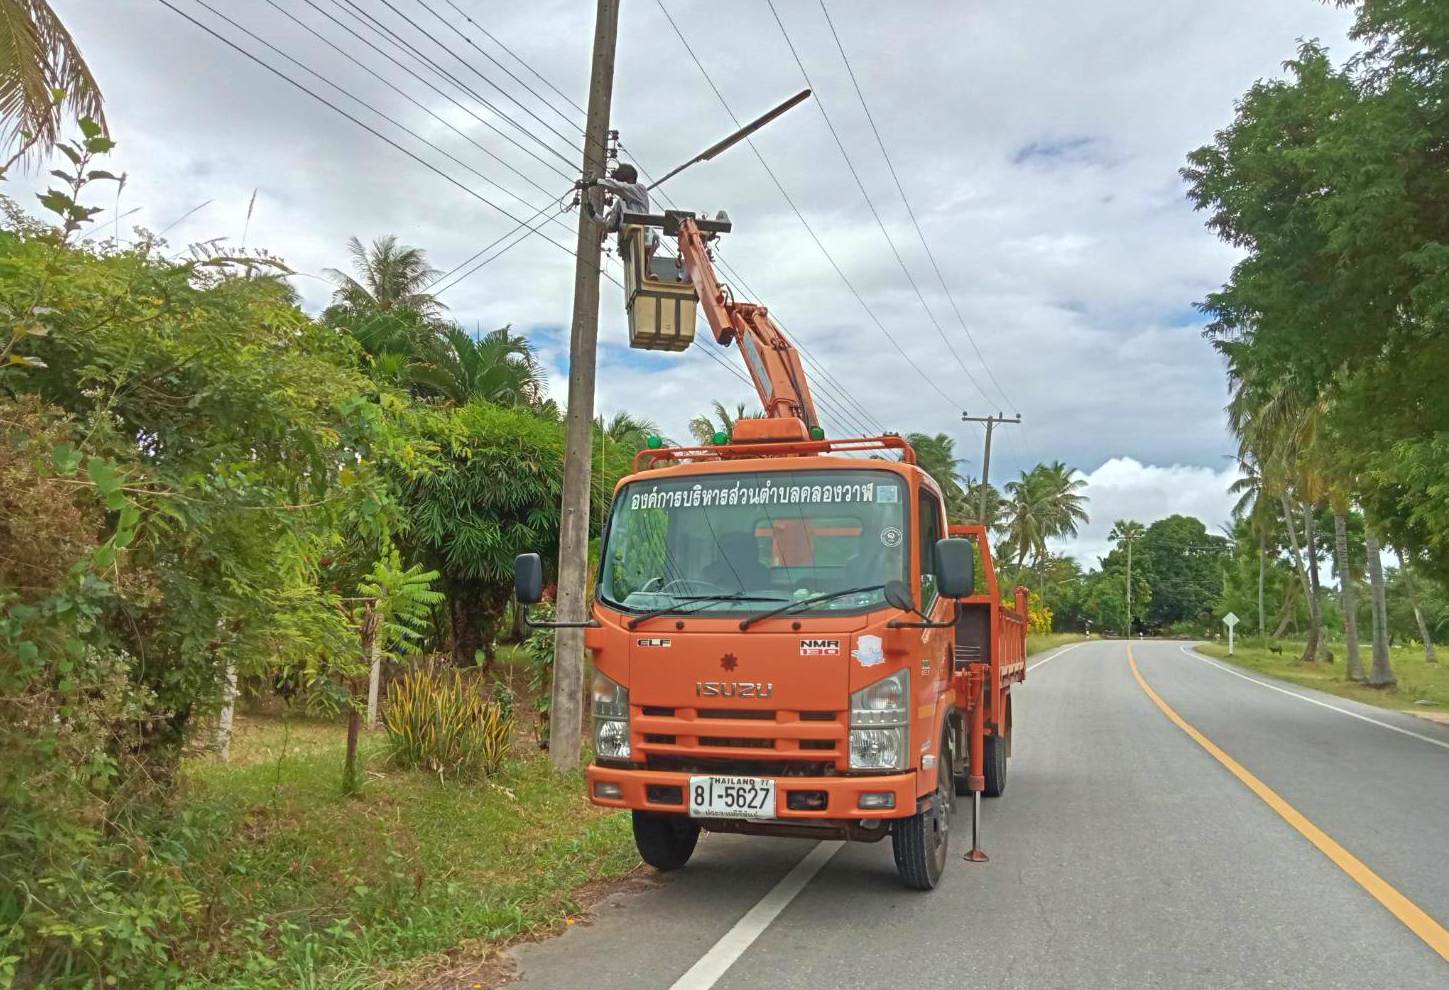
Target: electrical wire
column 373, row 24
column 569, row 142
column 343, row 113
column 953, row 404
column 413, row 74
column 306, row 68
column 909, row 211
column 536, row 74
column 506, row 71
column 870, row 203
column 400, row 91
column 820, row 392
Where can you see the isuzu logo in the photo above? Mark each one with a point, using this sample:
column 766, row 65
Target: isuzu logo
column 734, row 689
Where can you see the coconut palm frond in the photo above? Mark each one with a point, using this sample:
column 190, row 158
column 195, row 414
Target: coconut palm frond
column 38, row 60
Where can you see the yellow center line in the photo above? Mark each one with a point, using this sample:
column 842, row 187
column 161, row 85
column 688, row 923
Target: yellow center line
column 1414, row 918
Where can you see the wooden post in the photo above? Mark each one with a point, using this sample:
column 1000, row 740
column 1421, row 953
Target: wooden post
column 566, row 717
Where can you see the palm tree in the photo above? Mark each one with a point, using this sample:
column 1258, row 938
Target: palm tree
column 390, row 276
column 936, row 455
column 628, row 430
column 1126, row 531
column 499, row 367
column 1257, row 510
column 703, row 427
column 1278, row 423
column 38, row 60
column 1043, row 504
column 1381, row 675
column 1425, row 636
column 984, row 503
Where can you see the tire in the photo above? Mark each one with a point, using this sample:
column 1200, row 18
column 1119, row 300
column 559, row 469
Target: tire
column 922, row 842
column 994, row 764
column 665, row 842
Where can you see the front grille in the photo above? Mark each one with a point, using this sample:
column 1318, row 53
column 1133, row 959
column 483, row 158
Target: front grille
column 744, row 713
column 726, row 742
column 818, row 744
column 744, row 767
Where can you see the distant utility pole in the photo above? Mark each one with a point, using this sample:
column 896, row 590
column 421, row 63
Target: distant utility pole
column 566, row 715
column 990, row 422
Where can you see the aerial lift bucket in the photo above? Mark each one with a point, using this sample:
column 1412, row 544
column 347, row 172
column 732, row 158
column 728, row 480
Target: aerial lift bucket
column 660, row 300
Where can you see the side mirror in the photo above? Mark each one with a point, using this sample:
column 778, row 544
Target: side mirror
column 898, row 595
column 528, row 578
column 955, row 567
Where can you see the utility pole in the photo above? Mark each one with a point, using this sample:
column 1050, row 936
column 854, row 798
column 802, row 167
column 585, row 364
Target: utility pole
column 990, row 422
column 566, row 716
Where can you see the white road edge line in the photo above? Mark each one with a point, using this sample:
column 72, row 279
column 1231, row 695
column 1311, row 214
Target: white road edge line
column 1314, row 701
column 706, row 972
column 1058, row 653
column 732, row 944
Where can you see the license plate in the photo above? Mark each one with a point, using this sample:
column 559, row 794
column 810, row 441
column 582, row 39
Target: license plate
column 731, row 797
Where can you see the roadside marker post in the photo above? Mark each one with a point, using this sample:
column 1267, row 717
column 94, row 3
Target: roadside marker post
column 1230, row 620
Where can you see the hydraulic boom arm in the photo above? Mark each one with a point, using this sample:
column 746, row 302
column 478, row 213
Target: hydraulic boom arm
column 770, row 358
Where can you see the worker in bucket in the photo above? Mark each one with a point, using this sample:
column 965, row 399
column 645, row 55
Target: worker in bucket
column 630, row 196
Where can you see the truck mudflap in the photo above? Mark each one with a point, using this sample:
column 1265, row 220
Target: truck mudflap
column 823, row 800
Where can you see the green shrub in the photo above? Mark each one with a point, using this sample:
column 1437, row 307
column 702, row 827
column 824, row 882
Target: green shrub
column 442, row 721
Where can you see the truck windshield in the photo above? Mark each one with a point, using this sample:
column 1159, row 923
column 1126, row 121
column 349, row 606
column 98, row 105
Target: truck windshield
column 676, row 544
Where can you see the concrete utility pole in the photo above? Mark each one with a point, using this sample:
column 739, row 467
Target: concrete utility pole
column 566, row 717
column 990, row 422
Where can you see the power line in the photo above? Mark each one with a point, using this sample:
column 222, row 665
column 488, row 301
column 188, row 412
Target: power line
column 801, row 217
column 531, row 91
column 413, row 74
column 343, row 113
column 890, row 242
column 568, row 141
column 377, row 27
column 306, row 68
column 912, row 213
column 536, row 74
column 838, row 408
column 400, row 91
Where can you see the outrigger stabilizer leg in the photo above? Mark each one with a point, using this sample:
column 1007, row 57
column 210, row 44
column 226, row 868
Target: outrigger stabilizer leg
column 976, row 778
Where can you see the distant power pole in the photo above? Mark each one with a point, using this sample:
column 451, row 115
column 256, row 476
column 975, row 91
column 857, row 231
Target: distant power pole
column 990, row 422
column 566, row 715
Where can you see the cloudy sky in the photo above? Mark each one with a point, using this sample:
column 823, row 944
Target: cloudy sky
column 1038, row 143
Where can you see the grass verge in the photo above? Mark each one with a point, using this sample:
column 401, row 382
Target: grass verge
column 302, row 887
column 1050, row 641
column 1421, row 687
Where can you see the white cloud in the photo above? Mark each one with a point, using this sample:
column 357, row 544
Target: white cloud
column 1039, row 144
column 1123, row 488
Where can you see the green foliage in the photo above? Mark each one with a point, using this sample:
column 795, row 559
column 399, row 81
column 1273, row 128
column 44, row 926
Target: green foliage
column 1332, row 182
column 1043, row 504
column 403, row 601
column 936, row 455
column 538, row 648
column 440, row 720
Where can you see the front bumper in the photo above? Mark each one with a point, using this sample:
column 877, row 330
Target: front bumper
column 661, row 790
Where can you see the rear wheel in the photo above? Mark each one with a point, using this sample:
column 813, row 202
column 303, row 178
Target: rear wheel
column 994, row 764
column 921, row 842
column 665, row 842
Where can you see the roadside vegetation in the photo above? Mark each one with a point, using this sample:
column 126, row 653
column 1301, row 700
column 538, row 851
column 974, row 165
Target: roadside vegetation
column 1422, row 688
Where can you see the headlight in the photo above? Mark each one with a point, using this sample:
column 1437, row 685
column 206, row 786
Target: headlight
column 879, row 729
column 611, row 718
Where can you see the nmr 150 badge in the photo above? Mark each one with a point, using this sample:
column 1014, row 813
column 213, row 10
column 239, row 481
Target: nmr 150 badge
column 820, row 647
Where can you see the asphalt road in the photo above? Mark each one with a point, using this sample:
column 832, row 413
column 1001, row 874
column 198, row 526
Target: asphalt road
column 1123, row 854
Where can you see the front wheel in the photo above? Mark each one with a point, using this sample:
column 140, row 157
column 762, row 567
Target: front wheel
column 665, row 842
column 921, row 842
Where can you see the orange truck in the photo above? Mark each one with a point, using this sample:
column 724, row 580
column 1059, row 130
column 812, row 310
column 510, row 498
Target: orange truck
column 788, row 636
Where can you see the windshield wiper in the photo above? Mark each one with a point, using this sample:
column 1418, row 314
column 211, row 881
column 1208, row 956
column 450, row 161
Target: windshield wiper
column 813, row 600
column 654, row 613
